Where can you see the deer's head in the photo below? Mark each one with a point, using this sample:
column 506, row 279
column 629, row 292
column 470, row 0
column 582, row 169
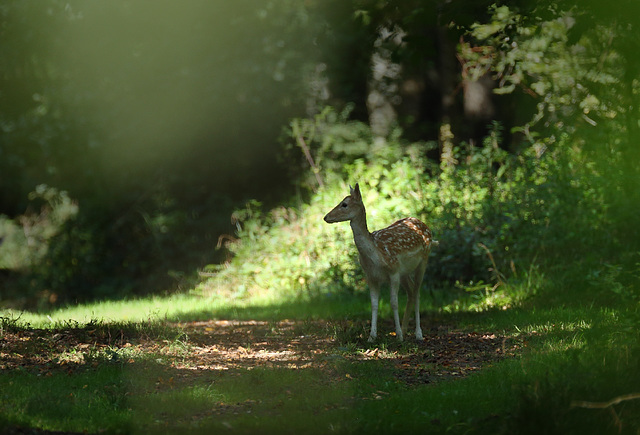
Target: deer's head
column 349, row 208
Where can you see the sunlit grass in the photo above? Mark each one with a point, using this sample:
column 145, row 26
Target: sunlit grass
column 130, row 389
column 183, row 307
column 134, row 310
column 193, row 306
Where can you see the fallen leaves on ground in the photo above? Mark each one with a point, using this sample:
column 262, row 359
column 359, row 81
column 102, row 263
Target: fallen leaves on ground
column 243, row 345
column 186, row 354
column 455, row 354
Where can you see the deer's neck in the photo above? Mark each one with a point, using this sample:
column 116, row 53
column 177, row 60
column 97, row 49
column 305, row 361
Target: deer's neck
column 362, row 237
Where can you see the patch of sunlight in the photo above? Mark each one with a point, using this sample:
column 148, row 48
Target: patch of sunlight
column 381, row 352
column 483, row 297
column 560, row 326
column 573, row 341
column 560, row 335
column 170, row 308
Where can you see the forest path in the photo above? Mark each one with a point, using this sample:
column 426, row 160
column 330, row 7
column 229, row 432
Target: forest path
column 220, row 345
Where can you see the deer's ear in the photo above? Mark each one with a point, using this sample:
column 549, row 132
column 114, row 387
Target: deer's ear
column 356, row 192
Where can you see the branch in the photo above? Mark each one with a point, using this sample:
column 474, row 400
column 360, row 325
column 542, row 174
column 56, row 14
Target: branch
column 603, row 405
column 302, row 144
column 501, row 278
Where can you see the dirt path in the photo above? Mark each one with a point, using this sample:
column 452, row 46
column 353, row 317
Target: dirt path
column 223, row 345
column 186, row 354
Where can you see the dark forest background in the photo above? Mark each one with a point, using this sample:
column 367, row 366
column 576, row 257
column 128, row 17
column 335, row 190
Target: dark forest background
column 132, row 134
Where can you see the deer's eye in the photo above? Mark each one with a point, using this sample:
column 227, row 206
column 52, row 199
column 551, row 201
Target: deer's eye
column 344, row 204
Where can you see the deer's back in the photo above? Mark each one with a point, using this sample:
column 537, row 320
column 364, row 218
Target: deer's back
column 408, row 237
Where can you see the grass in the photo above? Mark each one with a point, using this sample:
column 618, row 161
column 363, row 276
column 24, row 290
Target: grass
column 188, row 307
column 139, row 376
column 193, row 307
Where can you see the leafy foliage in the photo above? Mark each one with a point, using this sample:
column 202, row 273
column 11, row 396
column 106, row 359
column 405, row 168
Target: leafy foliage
column 155, row 185
column 535, row 55
column 585, row 117
column 548, row 207
column 155, row 132
column 25, row 240
column 499, row 215
column 483, row 205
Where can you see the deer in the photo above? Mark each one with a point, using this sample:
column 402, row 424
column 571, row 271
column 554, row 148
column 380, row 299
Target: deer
column 395, row 255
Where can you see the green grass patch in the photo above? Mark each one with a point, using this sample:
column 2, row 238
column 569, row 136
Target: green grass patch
column 187, row 307
column 141, row 374
column 92, row 400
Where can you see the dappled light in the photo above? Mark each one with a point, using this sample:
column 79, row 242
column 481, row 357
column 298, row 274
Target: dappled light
column 159, row 361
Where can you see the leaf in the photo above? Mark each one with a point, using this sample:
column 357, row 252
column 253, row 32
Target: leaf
column 504, row 89
column 484, row 31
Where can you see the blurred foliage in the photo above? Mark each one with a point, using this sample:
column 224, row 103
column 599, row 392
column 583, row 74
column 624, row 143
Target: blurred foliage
column 24, row 241
column 567, row 80
column 152, row 125
column 578, row 65
column 158, row 122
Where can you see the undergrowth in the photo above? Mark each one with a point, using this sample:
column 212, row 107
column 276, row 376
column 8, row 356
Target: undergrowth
column 498, row 217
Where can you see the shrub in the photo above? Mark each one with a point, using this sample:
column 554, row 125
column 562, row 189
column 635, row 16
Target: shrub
column 485, row 207
column 24, row 241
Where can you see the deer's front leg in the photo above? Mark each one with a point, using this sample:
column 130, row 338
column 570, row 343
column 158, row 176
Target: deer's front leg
column 374, row 292
column 395, row 285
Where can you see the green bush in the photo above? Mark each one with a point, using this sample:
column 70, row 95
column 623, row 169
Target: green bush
column 25, row 240
column 488, row 209
column 149, row 247
column 69, row 251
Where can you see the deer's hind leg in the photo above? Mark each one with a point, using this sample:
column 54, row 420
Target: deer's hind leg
column 409, row 286
column 419, row 276
column 412, row 283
